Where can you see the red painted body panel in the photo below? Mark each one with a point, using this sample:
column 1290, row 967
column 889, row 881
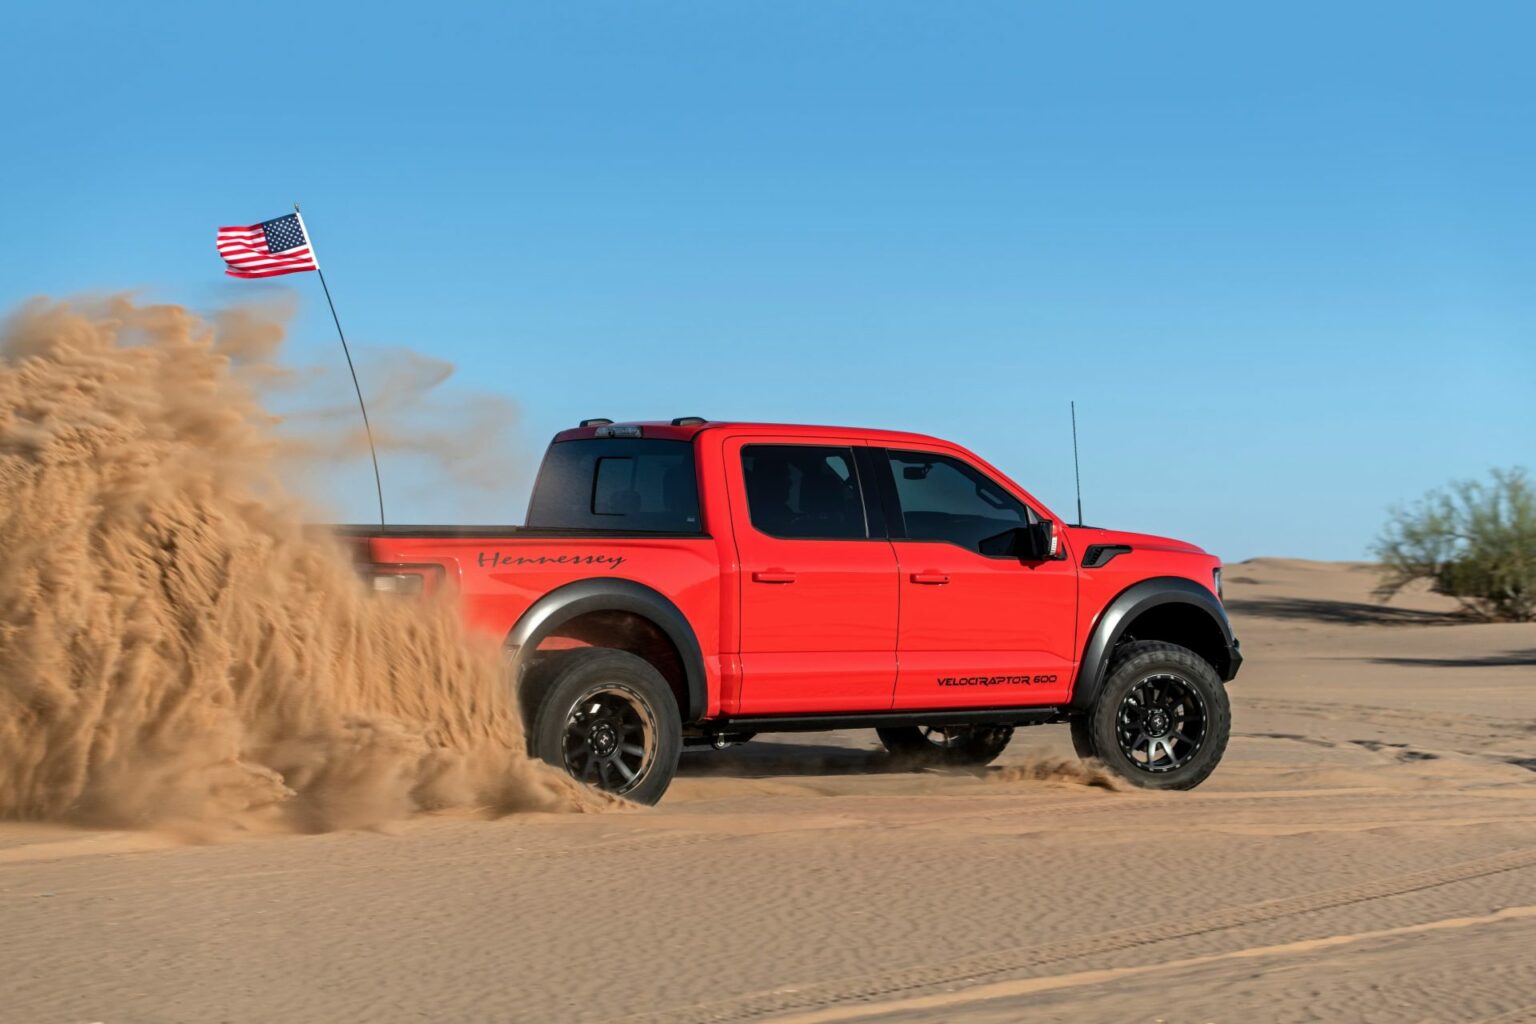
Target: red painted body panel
column 1149, row 557
column 818, row 617
column 826, row 626
column 499, row 579
column 983, row 632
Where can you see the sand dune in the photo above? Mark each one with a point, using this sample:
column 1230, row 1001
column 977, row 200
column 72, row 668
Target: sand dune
column 1366, row 852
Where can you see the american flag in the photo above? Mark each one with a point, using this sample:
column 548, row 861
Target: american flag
column 273, row 247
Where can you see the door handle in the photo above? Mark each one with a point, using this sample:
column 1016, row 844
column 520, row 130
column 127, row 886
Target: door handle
column 933, row 579
column 773, row 576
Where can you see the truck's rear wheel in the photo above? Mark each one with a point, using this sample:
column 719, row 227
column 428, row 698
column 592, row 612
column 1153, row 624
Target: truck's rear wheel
column 1161, row 720
column 605, row 717
column 956, row 745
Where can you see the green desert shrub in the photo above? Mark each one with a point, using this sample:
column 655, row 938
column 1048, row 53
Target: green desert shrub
column 1474, row 540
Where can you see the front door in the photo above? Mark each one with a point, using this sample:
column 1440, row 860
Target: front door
column 818, row 593
column 976, row 630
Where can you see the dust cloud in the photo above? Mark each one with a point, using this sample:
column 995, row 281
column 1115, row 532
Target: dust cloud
column 174, row 646
column 433, row 437
column 1049, row 769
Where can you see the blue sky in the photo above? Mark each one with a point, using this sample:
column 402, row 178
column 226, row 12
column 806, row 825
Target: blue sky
column 1284, row 258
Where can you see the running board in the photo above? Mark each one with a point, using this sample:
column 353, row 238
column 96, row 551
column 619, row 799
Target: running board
column 881, row 719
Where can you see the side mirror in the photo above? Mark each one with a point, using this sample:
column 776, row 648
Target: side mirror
column 1033, row 543
column 1040, row 541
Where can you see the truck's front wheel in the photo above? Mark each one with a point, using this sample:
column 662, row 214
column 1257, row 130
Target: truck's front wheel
column 1161, row 720
column 605, row 717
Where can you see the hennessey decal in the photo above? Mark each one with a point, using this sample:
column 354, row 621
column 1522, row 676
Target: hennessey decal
column 492, row 559
column 995, row 680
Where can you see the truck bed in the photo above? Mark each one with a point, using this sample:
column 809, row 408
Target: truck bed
column 443, row 531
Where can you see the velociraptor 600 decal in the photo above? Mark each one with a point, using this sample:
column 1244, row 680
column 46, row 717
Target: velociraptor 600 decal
column 995, row 680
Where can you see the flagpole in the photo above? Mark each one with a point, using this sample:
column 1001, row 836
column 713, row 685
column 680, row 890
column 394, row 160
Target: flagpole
column 378, row 482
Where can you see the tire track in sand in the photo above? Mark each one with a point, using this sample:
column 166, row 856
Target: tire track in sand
column 956, row 1001
column 913, row 980
column 1523, row 1015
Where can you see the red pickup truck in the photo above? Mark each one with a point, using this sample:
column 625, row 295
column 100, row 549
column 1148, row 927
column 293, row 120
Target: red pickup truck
column 697, row 582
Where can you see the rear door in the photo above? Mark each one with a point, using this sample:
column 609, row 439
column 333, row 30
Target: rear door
column 818, row 578
column 976, row 630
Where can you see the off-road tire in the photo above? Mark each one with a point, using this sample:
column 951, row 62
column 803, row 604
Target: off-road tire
column 1104, row 732
column 956, row 747
column 621, row 702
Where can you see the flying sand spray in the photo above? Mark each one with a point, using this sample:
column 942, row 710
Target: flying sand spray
column 176, row 648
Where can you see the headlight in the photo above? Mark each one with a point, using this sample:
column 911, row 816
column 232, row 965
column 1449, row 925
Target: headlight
column 1216, row 579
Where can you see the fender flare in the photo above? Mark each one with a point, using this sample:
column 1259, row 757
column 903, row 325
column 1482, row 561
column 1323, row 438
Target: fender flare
column 1123, row 609
column 566, row 602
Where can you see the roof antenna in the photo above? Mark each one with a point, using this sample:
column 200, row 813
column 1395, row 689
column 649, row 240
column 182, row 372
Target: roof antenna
column 1076, row 472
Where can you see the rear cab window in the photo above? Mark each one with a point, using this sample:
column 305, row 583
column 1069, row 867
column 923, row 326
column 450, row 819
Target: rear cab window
column 643, row 485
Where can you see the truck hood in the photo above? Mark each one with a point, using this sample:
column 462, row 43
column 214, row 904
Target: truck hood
column 1082, row 536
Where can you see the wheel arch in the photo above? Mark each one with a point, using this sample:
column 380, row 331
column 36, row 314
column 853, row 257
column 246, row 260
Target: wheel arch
column 622, row 615
column 1169, row 608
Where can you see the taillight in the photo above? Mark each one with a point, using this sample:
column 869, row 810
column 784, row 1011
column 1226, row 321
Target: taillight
column 403, row 580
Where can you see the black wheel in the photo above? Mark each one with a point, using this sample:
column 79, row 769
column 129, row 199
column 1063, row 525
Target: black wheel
column 605, row 717
column 1162, row 719
column 954, row 745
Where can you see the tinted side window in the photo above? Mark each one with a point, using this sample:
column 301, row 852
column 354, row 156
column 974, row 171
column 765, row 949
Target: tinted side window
column 944, row 499
column 617, row 484
column 807, row 491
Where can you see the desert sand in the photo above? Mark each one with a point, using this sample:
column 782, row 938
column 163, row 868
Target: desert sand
column 1367, row 851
